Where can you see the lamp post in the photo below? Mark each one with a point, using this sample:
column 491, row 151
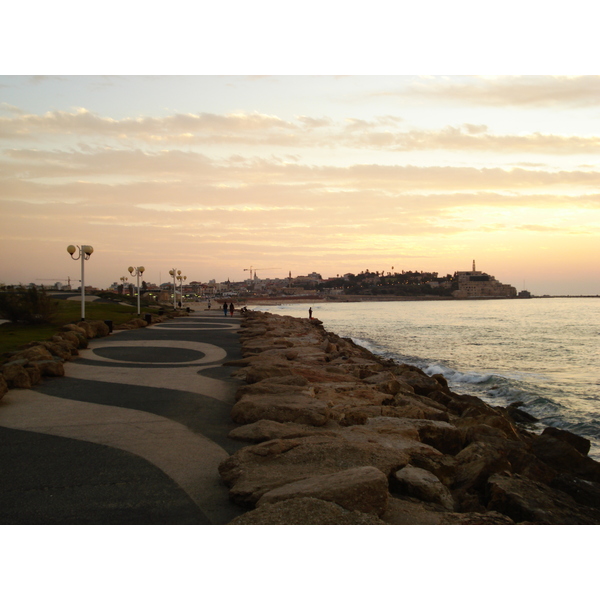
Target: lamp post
column 137, row 271
column 85, row 252
column 173, row 273
column 181, row 279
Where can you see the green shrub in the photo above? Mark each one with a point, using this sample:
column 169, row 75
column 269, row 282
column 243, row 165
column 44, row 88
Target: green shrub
column 27, row 305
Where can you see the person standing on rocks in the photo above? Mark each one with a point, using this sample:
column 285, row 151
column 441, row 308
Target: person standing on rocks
column 310, row 313
column 231, row 309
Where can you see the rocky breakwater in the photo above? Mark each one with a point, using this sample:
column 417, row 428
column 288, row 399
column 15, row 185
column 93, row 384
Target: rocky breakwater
column 337, row 435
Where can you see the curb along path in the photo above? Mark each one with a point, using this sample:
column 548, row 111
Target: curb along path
column 133, row 434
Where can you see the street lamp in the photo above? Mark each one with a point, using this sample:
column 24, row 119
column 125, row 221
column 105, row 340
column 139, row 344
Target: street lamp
column 84, row 254
column 173, row 273
column 137, row 271
column 181, row 279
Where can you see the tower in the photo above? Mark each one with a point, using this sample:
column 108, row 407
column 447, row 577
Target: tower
column 473, row 265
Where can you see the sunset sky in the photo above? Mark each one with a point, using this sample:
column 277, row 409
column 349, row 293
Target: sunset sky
column 216, row 174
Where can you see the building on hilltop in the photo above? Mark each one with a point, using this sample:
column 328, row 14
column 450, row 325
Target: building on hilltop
column 477, row 284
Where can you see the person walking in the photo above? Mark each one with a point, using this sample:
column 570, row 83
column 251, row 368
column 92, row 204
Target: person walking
column 225, row 309
column 231, row 309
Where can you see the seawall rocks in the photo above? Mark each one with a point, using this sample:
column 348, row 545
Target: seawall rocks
column 339, row 435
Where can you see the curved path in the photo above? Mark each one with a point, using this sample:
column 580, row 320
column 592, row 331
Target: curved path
column 133, row 433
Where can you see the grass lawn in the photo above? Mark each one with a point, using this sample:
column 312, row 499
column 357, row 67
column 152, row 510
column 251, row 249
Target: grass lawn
column 13, row 335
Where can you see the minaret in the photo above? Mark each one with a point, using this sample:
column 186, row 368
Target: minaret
column 473, row 265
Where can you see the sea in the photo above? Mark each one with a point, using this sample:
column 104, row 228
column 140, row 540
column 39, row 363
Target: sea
column 542, row 352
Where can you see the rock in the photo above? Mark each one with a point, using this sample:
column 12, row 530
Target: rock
column 492, row 420
column 63, row 350
column 475, row 464
column 34, row 372
column 263, row 430
column 582, row 491
column 293, row 408
column 34, row 353
column 388, row 384
column 421, row 383
column 51, row 368
column 267, row 388
column 3, row 386
column 412, row 407
column 410, row 511
column 424, row 485
column 520, row 416
column 305, row 511
column 16, row 376
column 443, row 436
column 525, row 500
column 94, row 329
column 469, row 406
column 364, row 489
column 488, row 518
column 75, row 329
column 70, row 336
column 561, row 455
column 255, row 470
column 579, row 443
column 257, row 372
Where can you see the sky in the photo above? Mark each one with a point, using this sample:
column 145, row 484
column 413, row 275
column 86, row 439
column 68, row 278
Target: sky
column 216, row 173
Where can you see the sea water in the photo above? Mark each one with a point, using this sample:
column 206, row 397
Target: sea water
column 543, row 352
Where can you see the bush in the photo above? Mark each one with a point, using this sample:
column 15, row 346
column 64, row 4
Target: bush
column 27, row 305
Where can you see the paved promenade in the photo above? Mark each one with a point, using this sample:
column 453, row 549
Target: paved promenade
column 133, row 434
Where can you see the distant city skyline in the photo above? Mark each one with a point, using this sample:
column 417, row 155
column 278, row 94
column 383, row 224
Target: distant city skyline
column 213, row 175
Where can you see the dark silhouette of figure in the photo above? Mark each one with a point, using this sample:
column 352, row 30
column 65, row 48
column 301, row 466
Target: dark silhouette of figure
column 225, row 309
column 231, row 309
column 310, row 313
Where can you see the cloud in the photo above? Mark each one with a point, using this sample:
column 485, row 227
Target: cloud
column 523, row 91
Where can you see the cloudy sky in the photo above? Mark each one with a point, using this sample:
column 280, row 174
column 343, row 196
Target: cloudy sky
column 214, row 174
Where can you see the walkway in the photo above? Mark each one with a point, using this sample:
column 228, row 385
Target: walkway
column 133, row 434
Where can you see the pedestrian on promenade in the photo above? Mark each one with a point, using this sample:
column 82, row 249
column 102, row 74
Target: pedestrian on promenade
column 225, row 309
column 231, row 309
column 310, row 313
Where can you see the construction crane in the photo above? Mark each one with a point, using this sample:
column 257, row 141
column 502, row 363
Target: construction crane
column 68, row 280
column 253, row 270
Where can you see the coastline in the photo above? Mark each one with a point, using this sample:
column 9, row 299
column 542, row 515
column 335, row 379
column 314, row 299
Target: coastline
column 339, row 435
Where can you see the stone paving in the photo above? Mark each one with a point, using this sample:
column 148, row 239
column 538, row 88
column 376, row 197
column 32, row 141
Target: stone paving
column 133, row 434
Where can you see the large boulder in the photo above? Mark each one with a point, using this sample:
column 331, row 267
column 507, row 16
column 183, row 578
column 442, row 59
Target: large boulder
column 524, row 500
column 579, row 443
column 272, row 386
column 16, row 375
column 34, row 353
column 255, row 470
column 3, row 386
column 476, row 463
column 563, row 456
column 94, row 329
column 265, row 370
column 34, row 372
column 294, row 408
column 363, row 488
column 305, row 511
column 424, row 485
column 264, row 430
column 51, row 368
column 69, row 336
column 63, row 349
